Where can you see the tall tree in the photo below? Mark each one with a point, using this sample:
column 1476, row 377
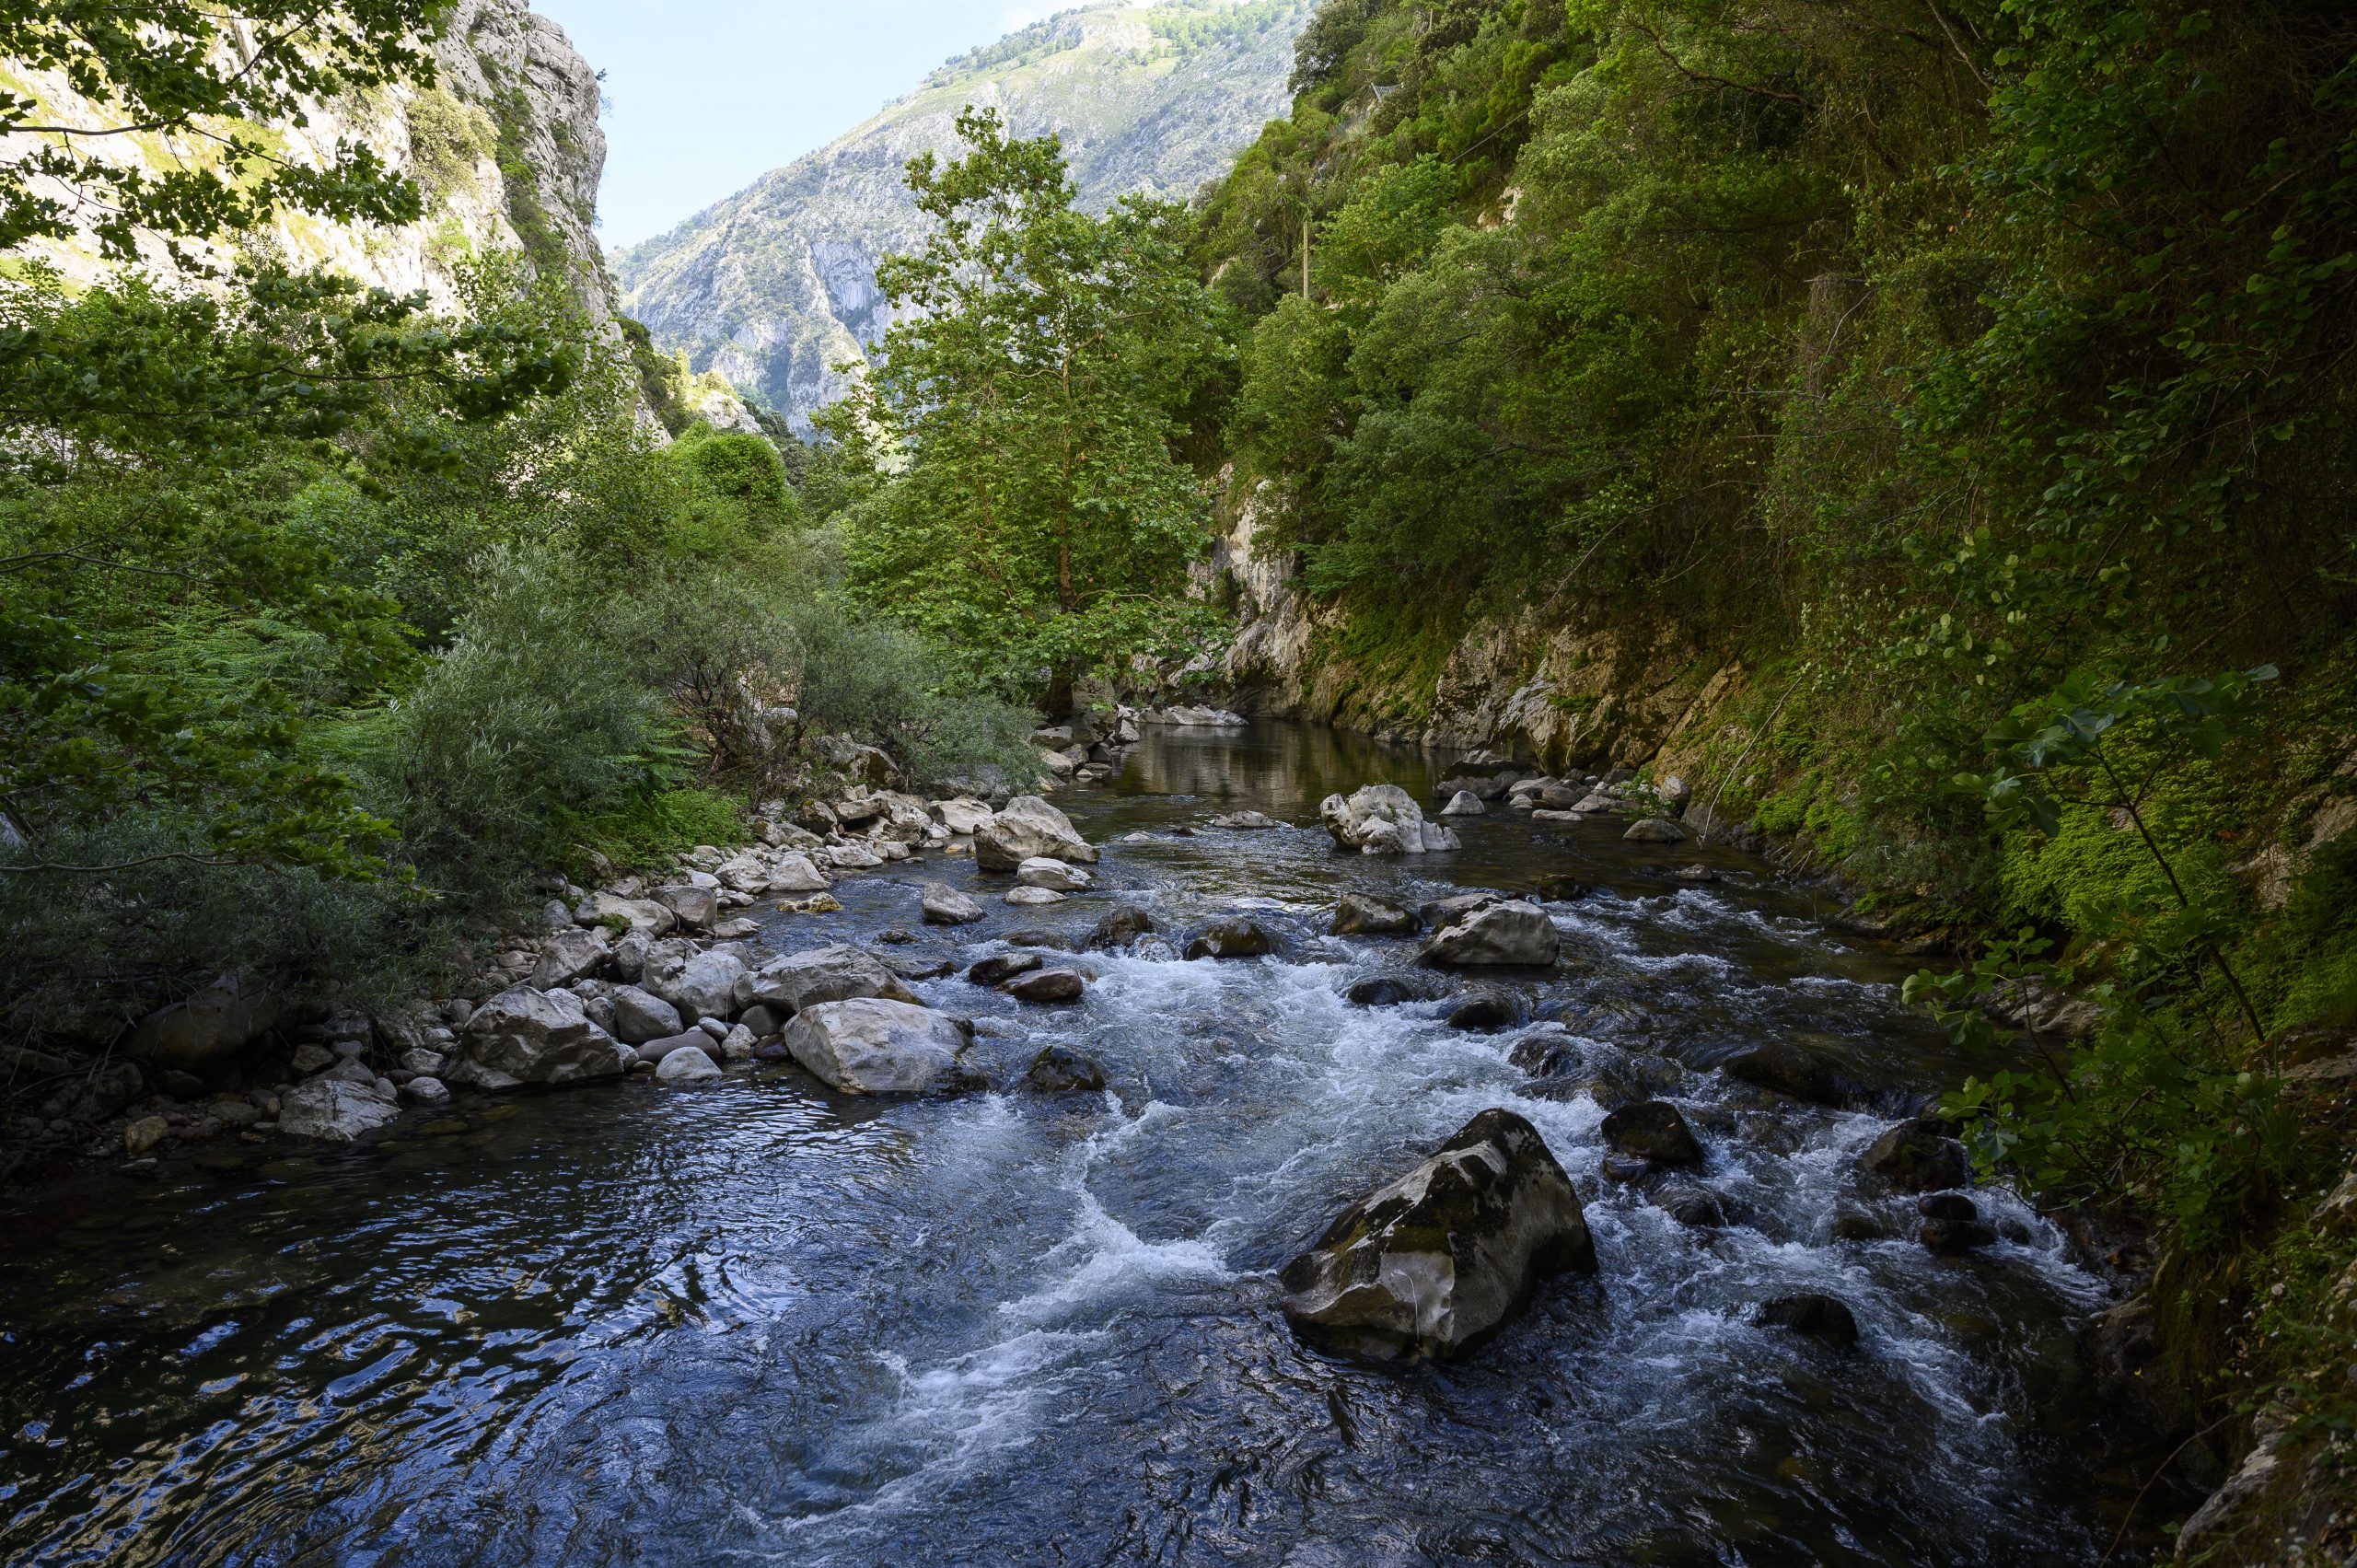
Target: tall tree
column 1030, row 512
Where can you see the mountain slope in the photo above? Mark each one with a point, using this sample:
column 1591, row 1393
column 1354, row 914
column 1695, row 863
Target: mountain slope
column 777, row 284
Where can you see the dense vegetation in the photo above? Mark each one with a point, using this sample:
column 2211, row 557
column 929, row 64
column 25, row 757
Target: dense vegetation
column 327, row 622
column 1978, row 373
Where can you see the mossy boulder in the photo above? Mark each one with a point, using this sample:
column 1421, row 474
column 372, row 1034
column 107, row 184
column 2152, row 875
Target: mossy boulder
column 1437, row 1261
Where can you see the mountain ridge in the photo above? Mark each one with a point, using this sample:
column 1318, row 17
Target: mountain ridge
column 775, row 285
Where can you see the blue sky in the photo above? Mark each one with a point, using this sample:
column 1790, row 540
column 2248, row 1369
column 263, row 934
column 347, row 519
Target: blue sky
column 707, row 95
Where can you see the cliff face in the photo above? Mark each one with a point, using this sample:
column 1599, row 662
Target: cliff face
column 776, row 285
column 1562, row 681
column 505, row 146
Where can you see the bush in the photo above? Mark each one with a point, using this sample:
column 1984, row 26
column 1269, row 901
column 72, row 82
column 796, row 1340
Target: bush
column 534, row 720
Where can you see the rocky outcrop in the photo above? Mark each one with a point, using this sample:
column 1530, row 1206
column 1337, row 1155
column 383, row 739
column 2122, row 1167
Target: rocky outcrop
column 775, row 286
column 210, row 1030
column 868, row 1046
column 335, row 1111
column 1440, row 1260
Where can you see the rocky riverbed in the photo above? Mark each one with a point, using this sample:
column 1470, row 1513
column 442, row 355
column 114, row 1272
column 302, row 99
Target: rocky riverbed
column 1181, row 1167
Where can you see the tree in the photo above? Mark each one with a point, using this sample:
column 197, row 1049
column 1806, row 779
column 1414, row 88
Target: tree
column 203, row 80
column 1028, row 510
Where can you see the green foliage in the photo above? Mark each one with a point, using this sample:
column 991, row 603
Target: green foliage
column 1021, row 505
column 195, row 74
column 651, row 827
column 447, row 140
column 659, row 377
column 741, row 467
column 164, row 455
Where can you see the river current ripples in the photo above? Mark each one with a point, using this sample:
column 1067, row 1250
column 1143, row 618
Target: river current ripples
column 756, row 1323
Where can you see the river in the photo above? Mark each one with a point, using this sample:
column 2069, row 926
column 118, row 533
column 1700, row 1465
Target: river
column 752, row 1322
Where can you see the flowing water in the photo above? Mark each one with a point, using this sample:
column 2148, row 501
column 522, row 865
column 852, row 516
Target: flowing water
column 756, row 1323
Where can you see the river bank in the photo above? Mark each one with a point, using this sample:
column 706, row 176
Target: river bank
column 752, row 1313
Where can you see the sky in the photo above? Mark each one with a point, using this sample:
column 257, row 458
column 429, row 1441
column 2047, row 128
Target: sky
column 706, row 96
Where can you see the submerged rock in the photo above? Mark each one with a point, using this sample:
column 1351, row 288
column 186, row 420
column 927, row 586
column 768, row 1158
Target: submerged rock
column 1918, row 1156
column 1512, row 934
column 1697, row 1207
column 1383, row 820
column 1391, row 990
column 1653, row 1131
column 1952, row 1225
column 1817, row 1317
column 1033, row 897
column 1231, row 939
column 868, row 1046
column 1058, row 1070
column 1791, row 1070
column 1356, row 914
column 1656, row 830
column 1245, row 822
column 1438, row 1260
column 1490, row 1010
column 1047, row 985
column 1121, row 928
column 1005, row 966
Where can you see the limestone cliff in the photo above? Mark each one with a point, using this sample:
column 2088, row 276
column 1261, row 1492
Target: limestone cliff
column 776, row 285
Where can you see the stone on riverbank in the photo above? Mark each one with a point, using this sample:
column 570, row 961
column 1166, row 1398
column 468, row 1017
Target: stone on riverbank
column 568, row 955
column 333, row 1111
column 961, row 815
column 211, row 1028
column 839, row 973
column 1512, row 934
column 1656, row 830
column 524, row 1036
column 686, row 1067
column 868, row 1046
column 1438, row 1260
column 641, row 1015
column 1383, row 820
column 1028, row 828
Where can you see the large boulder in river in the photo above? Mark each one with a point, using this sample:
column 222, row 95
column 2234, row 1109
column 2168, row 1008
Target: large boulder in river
column 1438, row 1260
column 1922, row 1156
column 869, row 1046
column 210, row 1030
column 334, row 1110
column 706, row 985
column 1383, row 820
column 1511, row 933
column 961, row 814
column 1652, row 1130
column 1235, row 938
column 840, row 973
column 1118, row 929
column 1028, row 828
column 523, row 1036
column 946, row 906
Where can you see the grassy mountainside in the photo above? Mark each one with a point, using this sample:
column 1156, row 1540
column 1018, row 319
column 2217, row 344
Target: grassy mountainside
column 777, row 284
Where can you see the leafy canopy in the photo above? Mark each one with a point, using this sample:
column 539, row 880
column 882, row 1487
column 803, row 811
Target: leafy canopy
column 1025, row 507
column 199, row 81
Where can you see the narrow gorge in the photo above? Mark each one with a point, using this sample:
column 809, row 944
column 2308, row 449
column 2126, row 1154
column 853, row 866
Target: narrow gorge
column 1292, row 781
